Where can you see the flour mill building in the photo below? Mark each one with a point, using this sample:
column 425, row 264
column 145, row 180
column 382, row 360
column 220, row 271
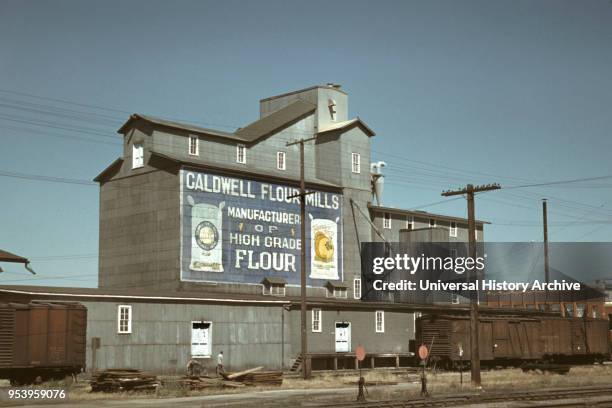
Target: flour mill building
column 200, row 249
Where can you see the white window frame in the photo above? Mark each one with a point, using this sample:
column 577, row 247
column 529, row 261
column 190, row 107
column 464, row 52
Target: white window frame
column 387, row 220
column 120, row 319
column 357, row 288
column 410, row 223
column 356, row 163
column 241, row 153
column 274, row 290
column 452, row 231
column 380, row 328
column 137, row 155
column 281, row 160
column 194, row 146
column 432, row 223
column 340, row 293
column 316, row 316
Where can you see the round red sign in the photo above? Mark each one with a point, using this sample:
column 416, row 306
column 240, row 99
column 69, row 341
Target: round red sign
column 360, row 353
column 423, row 352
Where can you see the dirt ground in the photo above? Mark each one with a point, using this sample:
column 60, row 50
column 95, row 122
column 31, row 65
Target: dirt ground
column 330, row 387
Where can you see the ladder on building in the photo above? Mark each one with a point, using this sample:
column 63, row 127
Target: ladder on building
column 297, row 364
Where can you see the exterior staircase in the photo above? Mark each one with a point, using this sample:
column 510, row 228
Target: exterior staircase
column 297, row 365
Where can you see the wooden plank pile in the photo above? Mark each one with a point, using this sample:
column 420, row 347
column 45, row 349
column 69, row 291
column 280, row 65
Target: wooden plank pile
column 255, row 376
column 200, row 383
column 115, row 380
column 262, row 378
column 252, row 377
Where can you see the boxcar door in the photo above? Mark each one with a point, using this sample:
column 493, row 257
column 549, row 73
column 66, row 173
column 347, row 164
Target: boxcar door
column 500, row 339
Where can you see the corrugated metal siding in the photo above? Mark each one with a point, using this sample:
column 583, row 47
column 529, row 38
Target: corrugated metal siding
column 7, row 335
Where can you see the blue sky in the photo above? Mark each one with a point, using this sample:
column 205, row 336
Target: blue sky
column 515, row 92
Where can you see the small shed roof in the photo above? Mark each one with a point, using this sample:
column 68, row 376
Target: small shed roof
column 336, row 285
column 273, row 280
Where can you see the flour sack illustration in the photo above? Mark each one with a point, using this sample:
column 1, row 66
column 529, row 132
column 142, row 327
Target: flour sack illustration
column 206, row 236
column 324, row 248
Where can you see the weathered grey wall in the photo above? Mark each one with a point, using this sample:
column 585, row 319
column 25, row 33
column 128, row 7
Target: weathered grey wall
column 139, row 231
column 161, row 336
column 399, row 222
column 260, row 157
column 399, row 330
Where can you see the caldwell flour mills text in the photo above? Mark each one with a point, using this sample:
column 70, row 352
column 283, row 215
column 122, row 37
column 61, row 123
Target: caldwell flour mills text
column 240, row 230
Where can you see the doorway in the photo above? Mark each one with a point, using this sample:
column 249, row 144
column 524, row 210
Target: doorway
column 343, row 337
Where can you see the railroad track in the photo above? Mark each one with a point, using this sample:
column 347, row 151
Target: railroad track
column 549, row 398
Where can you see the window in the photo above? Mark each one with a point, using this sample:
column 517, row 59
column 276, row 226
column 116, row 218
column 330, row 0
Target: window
column 274, row 290
column 453, row 253
column 387, row 220
column 137, row 155
column 280, row 161
column 476, row 235
column 339, row 293
column 410, row 223
column 357, row 288
column 432, row 223
column 316, row 320
column 380, row 321
column 200, row 339
column 454, row 298
column 241, row 154
column 595, row 312
column 194, row 146
column 452, row 232
column 332, row 108
column 356, row 162
column 124, row 319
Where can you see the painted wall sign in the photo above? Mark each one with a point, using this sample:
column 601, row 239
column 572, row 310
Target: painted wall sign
column 240, row 230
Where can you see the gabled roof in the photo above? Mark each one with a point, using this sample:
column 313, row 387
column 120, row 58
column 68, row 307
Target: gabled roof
column 109, row 171
column 345, row 125
column 254, row 131
column 276, row 120
column 175, row 125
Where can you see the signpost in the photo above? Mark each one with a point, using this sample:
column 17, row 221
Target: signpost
column 460, row 346
column 360, row 353
column 423, row 354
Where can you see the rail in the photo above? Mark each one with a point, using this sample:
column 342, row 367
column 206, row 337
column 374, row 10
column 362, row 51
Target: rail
column 547, row 396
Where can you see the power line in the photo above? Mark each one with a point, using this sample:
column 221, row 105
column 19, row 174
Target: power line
column 571, row 181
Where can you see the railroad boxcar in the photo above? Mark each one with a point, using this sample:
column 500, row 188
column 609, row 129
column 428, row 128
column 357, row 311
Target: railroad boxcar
column 41, row 339
column 514, row 339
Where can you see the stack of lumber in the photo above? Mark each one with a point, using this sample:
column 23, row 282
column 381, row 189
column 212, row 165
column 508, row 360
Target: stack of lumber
column 200, row 383
column 115, row 380
column 262, row 378
column 255, row 376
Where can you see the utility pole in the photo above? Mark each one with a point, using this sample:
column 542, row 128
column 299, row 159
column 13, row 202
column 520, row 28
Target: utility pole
column 469, row 191
column 302, row 194
column 546, row 272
